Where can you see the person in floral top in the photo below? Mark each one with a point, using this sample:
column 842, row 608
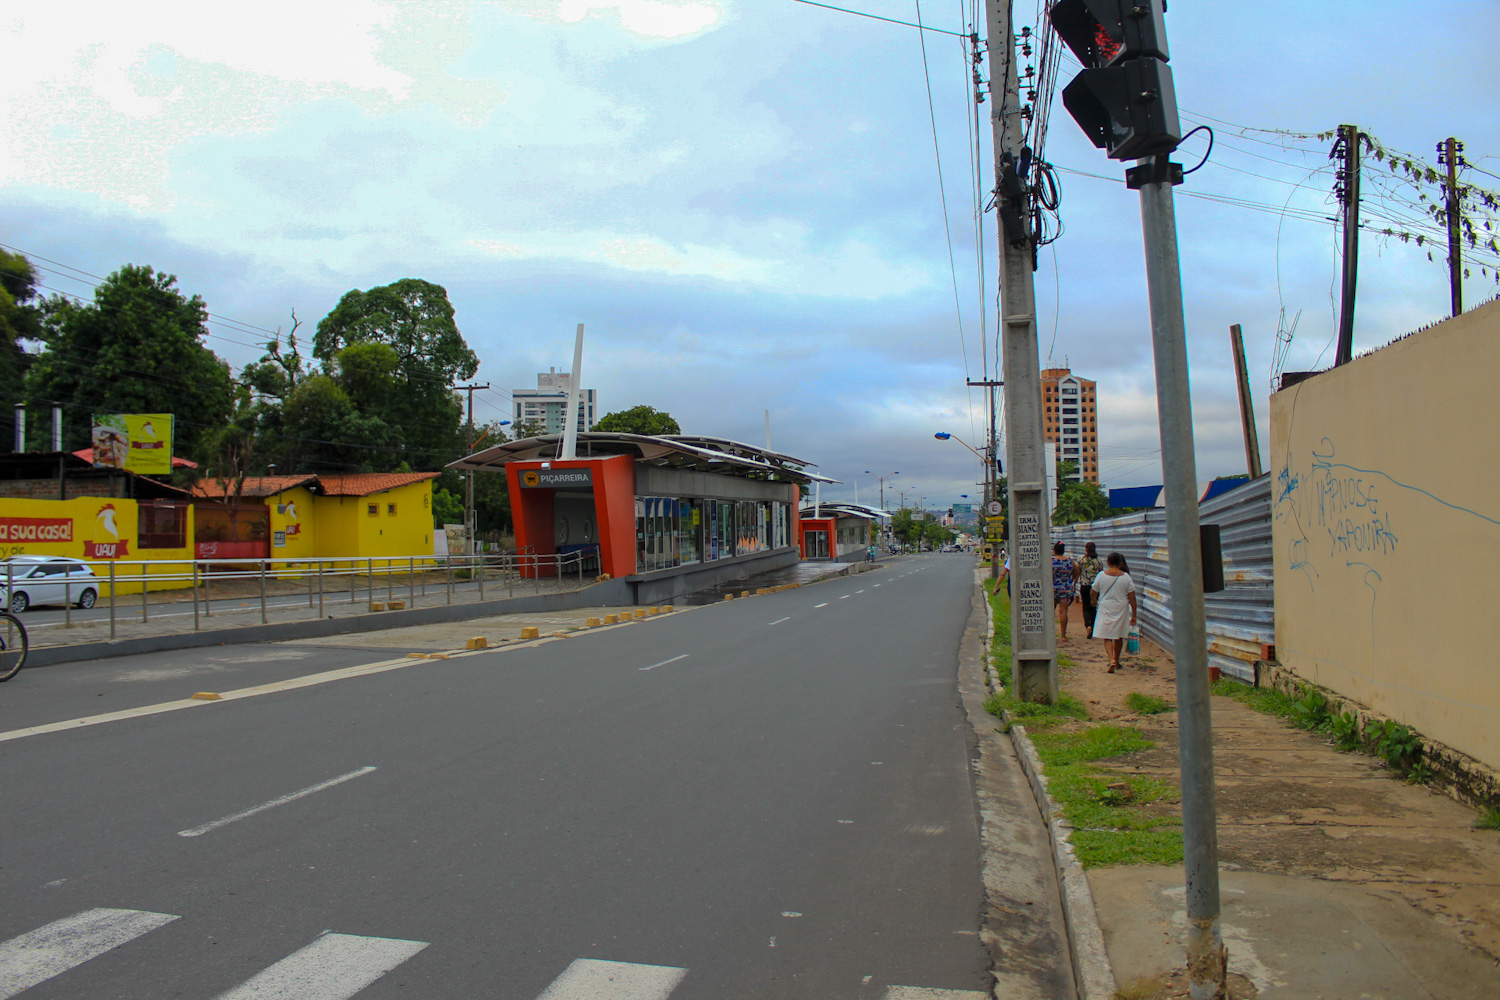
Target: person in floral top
column 1088, row 568
column 1064, row 583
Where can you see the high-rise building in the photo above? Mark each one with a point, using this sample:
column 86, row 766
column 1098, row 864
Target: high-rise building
column 547, row 404
column 1070, row 411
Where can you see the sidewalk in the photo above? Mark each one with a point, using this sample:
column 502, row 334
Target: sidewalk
column 1340, row 880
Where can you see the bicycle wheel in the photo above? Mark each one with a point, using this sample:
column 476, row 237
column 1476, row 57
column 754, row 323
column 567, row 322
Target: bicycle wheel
column 12, row 646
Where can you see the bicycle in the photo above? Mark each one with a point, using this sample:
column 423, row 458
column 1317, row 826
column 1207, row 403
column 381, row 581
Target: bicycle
column 13, row 645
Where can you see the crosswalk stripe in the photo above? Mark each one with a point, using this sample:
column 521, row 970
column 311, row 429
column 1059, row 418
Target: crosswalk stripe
column 334, row 967
column 48, row 951
column 918, row 993
column 591, row 979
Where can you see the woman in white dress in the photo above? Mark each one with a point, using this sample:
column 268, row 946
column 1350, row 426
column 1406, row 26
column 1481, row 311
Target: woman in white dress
column 1114, row 597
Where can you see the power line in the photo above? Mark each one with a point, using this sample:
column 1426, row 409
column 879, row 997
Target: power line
column 877, row 17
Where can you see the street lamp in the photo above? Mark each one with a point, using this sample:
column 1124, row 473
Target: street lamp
column 945, row 436
column 882, row 484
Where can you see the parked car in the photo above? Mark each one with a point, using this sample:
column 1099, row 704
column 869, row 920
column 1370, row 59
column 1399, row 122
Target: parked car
column 47, row 580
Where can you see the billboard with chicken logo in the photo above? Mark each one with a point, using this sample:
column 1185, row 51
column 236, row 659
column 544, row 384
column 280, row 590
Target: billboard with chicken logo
column 137, row 442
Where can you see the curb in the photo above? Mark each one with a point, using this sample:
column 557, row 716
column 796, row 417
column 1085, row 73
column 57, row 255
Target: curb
column 1093, row 976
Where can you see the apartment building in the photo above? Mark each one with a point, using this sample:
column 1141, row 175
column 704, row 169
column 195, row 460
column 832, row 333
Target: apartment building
column 547, row 404
column 1070, row 414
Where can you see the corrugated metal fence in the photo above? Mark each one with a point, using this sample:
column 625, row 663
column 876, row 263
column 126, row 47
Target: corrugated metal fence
column 1241, row 617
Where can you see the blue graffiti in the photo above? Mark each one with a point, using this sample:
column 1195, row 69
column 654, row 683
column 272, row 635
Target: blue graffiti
column 1323, row 461
column 1299, row 561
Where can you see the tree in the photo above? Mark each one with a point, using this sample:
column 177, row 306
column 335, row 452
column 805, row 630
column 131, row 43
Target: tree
column 19, row 320
column 137, row 348
column 1078, row 502
column 638, row 420
column 396, row 352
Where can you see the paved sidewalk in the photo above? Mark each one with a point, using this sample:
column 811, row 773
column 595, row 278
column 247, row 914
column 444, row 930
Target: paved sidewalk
column 1340, row 879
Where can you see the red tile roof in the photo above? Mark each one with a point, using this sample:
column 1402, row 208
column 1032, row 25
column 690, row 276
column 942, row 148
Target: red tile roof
column 359, row 484
column 87, row 454
column 254, row 486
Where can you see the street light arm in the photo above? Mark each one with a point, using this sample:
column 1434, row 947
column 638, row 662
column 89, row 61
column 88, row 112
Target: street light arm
column 955, row 437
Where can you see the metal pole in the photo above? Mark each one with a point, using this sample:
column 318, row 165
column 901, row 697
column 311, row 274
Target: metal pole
column 1247, row 403
column 370, row 566
column 411, row 581
column 67, row 602
column 111, row 596
column 1352, row 137
column 479, row 565
column 448, row 576
column 1034, row 650
column 1206, row 956
column 320, row 588
column 262, row 591
column 1452, row 150
column 208, row 602
column 194, row 564
column 145, row 606
column 390, row 582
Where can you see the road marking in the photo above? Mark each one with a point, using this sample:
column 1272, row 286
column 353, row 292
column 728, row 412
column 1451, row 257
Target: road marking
column 780, row 620
column 39, row 955
column 199, row 831
column 859, row 591
column 918, row 993
column 333, row 967
column 663, row 663
column 591, row 979
column 823, row 605
column 877, row 585
column 845, row 597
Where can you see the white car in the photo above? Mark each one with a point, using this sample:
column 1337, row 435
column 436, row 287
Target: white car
column 47, row 580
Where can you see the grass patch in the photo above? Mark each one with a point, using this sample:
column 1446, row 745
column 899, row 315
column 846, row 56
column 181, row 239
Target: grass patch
column 1148, row 704
column 1488, row 820
column 1111, row 826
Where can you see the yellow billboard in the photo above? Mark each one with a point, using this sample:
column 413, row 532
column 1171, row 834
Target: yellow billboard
column 137, row 442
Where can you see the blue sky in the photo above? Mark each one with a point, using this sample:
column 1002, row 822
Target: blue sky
column 737, row 197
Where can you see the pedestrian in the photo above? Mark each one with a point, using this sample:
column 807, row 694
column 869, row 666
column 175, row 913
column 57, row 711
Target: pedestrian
column 1088, row 568
column 870, row 553
column 1064, row 583
column 1116, row 604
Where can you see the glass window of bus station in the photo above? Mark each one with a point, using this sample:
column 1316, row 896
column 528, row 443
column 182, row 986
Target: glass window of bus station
column 672, row 532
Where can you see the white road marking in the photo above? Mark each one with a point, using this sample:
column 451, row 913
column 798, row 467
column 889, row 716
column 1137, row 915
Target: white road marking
column 823, row 605
column 663, row 663
column 790, row 913
column 333, row 967
column 844, row 597
column 199, row 831
column 918, row 993
column 38, row 955
column 859, row 591
column 877, row 585
column 591, row 979
column 780, row 620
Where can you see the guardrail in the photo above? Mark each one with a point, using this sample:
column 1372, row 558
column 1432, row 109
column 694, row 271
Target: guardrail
column 336, row 580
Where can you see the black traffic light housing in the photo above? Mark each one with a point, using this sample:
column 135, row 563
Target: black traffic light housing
column 1123, row 99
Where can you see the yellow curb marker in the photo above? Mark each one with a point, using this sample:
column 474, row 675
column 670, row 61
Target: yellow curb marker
column 530, row 632
column 640, row 612
column 611, row 619
column 416, row 656
column 397, row 605
column 208, row 696
column 728, row 597
column 377, row 606
column 478, row 642
column 593, row 623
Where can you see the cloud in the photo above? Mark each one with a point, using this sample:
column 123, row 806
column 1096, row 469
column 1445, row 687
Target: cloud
column 668, row 19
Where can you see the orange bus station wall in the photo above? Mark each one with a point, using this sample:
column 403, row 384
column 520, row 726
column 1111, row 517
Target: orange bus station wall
column 614, row 509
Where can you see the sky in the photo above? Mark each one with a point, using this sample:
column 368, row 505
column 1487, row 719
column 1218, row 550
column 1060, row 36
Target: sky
column 740, row 199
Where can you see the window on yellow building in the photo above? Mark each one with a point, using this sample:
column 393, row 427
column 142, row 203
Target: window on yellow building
column 373, row 509
column 390, row 510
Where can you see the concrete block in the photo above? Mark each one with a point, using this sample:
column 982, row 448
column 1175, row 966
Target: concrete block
column 208, row 696
column 611, row 619
column 728, row 597
column 667, row 609
column 416, row 656
column 653, row 611
column 530, row 632
column 640, row 612
column 744, row 593
column 396, row 606
column 478, row 642
column 377, row 606
column 593, row 623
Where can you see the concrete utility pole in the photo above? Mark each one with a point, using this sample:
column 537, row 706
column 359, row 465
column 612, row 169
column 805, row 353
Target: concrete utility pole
column 991, row 481
column 1247, row 403
column 1348, row 148
column 1034, row 644
column 469, row 483
column 1451, row 153
column 1206, row 956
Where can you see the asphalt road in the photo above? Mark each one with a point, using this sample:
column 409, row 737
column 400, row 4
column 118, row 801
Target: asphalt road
column 768, row 798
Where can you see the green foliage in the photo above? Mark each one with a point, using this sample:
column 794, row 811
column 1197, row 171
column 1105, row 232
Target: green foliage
column 1112, row 827
column 1310, row 711
column 19, row 320
column 446, row 508
column 137, row 348
column 1488, row 820
column 1399, row 745
column 1078, row 502
column 638, row 420
column 1093, row 743
column 1344, row 726
column 1148, row 704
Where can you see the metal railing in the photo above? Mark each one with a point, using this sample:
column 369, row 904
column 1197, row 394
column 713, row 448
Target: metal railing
column 338, row 581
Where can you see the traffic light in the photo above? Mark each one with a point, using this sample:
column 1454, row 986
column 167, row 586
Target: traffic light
column 1123, row 99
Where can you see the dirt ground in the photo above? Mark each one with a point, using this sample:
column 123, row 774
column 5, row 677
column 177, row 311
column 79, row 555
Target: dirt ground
column 1289, row 803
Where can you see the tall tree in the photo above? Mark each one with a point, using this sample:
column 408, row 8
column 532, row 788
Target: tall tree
column 638, row 420
column 19, row 320
column 137, row 348
column 407, row 385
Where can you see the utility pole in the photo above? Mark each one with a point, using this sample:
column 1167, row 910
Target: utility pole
column 1347, row 149
column 1247, row 403
column 1451, row 153
column 991, row 482
column 469, row 483
column 1034, row 646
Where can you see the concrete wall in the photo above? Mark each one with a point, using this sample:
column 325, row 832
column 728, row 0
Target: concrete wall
column 1386, row 530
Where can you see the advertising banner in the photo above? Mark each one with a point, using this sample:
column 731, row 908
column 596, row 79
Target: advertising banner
column 136, row 442
column 36, row 529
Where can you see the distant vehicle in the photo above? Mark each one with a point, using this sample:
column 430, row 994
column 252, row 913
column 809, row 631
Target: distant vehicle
column 47, row 580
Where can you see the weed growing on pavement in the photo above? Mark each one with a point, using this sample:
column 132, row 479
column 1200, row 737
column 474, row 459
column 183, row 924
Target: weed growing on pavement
column 1488, row 820
column 1148, row 704
column 1094, row 743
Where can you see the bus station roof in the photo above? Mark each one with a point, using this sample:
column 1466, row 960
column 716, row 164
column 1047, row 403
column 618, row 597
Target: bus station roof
column 681, row 451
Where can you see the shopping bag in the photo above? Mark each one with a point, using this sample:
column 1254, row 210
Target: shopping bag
column 1133, row 642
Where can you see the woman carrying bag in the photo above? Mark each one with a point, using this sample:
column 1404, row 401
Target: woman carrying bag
column 1114, row 599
